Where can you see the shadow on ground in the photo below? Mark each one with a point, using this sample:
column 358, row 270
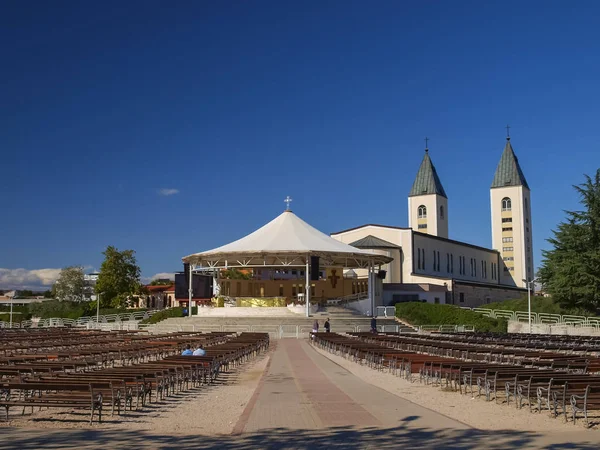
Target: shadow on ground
column 404, row 436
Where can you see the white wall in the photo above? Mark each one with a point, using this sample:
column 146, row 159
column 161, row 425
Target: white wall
column 392, row 235
column 436, row 225
column 521, row 234
column 454, row 250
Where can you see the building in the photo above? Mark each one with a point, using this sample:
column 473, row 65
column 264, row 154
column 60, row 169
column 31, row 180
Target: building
column 429, row 266
column 89, row 285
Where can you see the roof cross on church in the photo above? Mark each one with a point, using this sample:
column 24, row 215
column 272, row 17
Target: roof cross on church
column 426, row 144
column 288, row 200
column 507, row 132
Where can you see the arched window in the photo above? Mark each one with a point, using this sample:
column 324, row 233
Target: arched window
column 422, row 212
column 506, row 204
column 442, row 212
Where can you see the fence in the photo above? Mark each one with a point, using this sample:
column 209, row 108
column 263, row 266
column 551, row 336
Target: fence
column 299, row 331
column 385, row 311
column 113, row 321
column 539, row 318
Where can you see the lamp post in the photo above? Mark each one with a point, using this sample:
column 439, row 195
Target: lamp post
column 98, row 307
column 529, row 284
column 12, row 297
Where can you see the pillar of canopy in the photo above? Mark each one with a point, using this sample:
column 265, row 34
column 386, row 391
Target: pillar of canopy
column 288, row 241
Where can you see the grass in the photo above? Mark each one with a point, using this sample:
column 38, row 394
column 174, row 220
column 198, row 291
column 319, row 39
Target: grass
column 431, row 314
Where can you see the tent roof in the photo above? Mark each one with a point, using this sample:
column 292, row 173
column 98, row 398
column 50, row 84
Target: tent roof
column 286, row 240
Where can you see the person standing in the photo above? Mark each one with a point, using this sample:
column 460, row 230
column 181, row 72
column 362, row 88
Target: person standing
column 316, row 326
column 327, row 326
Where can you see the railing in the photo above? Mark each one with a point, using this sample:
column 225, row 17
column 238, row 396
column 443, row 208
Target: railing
column 539, row 318
column 385, row 311
column 275, row 331
column 348, row 298
column 446, row 328
column 85, row 321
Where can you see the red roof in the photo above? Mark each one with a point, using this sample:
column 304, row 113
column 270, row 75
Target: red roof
column 160, row 288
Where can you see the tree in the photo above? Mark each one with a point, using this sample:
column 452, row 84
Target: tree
column 119, row 276
column 69, row 285
column 161, row 282
column 24, row 293
column 570, row 271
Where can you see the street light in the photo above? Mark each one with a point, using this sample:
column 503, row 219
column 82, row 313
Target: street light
column 529, row 284
column 98, row 307
column 12, row 297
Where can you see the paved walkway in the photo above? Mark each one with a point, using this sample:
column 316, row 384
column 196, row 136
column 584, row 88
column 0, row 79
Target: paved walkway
column 305, row 401
column 304, row 390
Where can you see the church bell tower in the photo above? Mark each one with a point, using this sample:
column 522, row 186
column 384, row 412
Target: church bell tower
column 510, row 199
column 427, row 201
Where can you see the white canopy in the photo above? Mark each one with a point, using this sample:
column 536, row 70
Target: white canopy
column 286, row 241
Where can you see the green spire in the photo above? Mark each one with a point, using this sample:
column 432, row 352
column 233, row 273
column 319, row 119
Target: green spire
column 508, row 172
column 427, row 180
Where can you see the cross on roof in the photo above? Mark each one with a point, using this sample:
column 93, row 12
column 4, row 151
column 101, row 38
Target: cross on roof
column 426, row 143
column 507, row 132
column 288, row 200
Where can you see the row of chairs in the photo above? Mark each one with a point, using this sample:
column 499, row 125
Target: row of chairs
column 535, row 380
column 127, row 384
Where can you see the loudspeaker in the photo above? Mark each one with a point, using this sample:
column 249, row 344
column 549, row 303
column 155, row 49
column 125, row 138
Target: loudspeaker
column 381, row 274
column 186, row 273
column 314, row 268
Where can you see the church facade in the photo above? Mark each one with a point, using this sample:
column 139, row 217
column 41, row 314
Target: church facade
column 429, row 266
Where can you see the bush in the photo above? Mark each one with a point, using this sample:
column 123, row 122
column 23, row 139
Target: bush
column 432, row 314
column 19, row 312
column 164, row 314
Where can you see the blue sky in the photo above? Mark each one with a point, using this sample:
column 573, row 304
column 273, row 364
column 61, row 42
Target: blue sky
column 234, row 105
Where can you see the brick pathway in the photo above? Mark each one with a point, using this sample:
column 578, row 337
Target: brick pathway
column 304, row 390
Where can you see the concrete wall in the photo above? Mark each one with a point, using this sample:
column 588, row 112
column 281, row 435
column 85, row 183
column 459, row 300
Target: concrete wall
column 362, row 306
column 428, row 296
column 479, row 296
column 536, row 328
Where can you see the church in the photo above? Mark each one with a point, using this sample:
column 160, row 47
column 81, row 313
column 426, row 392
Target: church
column 429, row 266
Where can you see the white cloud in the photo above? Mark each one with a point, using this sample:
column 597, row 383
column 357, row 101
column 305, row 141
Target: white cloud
column 165, row 192
column 28, row 279
column 158, row 276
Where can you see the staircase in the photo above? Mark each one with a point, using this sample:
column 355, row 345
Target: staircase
column 342, row 320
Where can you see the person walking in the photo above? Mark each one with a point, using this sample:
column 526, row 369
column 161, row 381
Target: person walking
column 316, row 326
column 327, row 326
column 373, row 325
column 315, row 329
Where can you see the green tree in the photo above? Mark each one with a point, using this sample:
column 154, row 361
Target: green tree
column 69, row 285
column 119, row 276
column 570, row 271
column 161, row 283
column 24, row 293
